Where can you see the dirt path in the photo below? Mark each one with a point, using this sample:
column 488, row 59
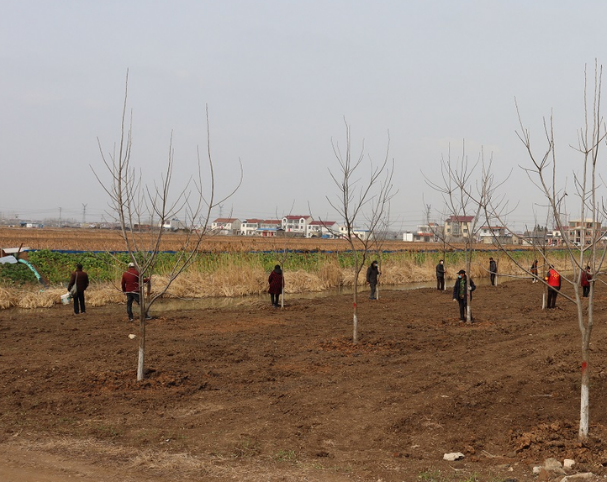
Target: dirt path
column 253, row 393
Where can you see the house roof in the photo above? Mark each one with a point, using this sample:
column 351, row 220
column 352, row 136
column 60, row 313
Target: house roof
column 252, row 221
column 293, row 216
column 225, row 220
column 322, row 223
column 460, row 219
column 271, row 221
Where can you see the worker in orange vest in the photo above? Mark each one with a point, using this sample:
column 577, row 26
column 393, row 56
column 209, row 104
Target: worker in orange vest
column 553, row 278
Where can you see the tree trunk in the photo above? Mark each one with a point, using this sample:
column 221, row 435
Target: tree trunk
column 355, row 313
column 142, row 317
column 584, row 400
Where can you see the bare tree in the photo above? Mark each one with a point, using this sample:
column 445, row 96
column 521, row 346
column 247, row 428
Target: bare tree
column 359, row 201
column 588, row 248
column 379, row 240
column 142, row 212
column 464, row 194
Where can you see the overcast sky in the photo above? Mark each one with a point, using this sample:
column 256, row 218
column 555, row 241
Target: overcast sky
column 279, row 78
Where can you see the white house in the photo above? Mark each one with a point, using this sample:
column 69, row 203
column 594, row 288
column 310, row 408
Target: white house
column 427, row 233
column 494, row 234
column 173, row 225
column 363, row 234
column 322, row 229
column 226, row 226
column 296, row 224
column 249, row 227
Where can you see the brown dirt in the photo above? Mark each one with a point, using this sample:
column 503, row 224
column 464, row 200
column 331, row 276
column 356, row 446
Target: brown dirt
column 253, row 393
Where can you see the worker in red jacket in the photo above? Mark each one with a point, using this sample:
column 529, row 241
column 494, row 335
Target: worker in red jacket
column 130, row 286
column 553, row 278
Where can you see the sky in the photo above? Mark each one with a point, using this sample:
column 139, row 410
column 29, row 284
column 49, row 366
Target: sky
column 281, row 79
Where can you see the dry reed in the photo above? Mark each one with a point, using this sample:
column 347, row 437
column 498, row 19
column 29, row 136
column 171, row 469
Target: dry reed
column 236, row 279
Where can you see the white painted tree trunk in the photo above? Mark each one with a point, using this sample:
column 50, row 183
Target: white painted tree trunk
column 141, row 360
column 142, row 317
column 584, row 403
column 355, row 314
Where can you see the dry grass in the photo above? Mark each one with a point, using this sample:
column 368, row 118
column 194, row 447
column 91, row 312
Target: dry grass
column 237, row 279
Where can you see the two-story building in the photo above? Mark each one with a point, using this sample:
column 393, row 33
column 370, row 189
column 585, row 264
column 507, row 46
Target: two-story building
column 296, row 225
column 249, row 227
column 584, row 232
column 269, row 228
column 322, row 229
column 226, row 226
column 458, row 227
column 495, row 235
column 427, row 233
column 362, row 234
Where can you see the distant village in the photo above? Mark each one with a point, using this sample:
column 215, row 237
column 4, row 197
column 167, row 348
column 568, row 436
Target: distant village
column 453, row 229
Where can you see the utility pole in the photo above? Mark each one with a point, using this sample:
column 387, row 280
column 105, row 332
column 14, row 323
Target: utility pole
column 84, row 213
column 60, row 222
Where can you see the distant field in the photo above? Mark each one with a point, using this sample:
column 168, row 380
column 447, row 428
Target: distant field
column 108, row 240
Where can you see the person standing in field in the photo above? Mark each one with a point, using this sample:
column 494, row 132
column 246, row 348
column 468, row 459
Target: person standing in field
column 130, row 286
column 553, row 278
column 80, row 280
column 492, row 270
column 585, row 282
column 277, row 282
column 534, row 271
column 372, row 278
column 460, row 294
column 440, row 275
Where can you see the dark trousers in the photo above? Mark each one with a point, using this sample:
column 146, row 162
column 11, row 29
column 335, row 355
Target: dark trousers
column 275, row 298
column 552, row 294
column 585, row 291
column 440, row 283
column 373, row 288
column 79, row 302
column 492, row 279
column 130, row 297
column 462, row 308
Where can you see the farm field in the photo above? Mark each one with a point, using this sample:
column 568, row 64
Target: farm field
column 109, row 240
column 250, row 393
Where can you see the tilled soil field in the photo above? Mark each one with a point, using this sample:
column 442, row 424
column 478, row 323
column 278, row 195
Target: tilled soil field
column 251, row 393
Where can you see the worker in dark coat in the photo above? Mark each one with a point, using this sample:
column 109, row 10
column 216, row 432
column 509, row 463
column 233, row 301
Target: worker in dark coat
column 277, row 284
column 461, row 291
column 533, row 270
column 440, row 275
column 372, row 277
column 130, row 286
column 492, row 270
column 80, row 281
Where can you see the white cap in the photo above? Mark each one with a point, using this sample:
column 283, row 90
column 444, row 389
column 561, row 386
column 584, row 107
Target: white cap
column 131, row 265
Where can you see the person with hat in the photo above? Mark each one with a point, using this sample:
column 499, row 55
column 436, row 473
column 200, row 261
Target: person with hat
column 130, row 286
column 461, row 291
